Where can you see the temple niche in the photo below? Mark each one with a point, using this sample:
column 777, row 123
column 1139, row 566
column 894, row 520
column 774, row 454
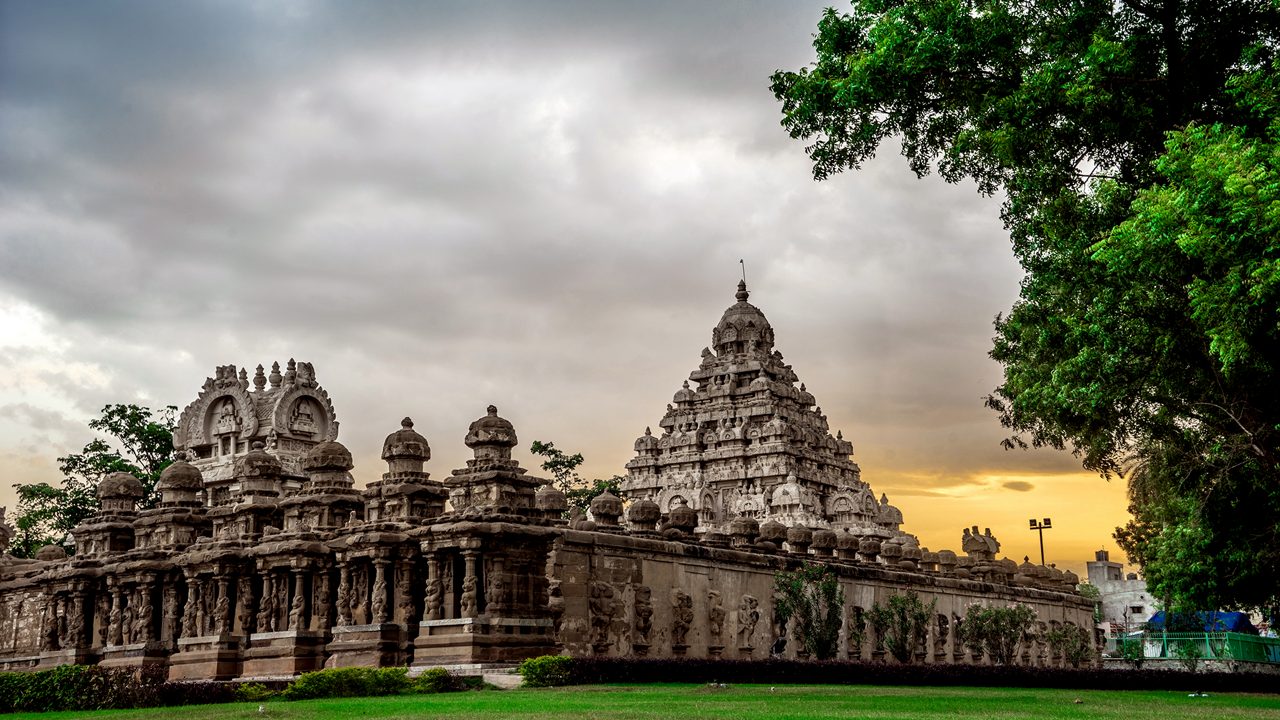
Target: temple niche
column 748, row 439
column 289, row 413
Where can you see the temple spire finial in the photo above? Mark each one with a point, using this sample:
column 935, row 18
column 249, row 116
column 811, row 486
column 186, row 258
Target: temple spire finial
column 742, row 293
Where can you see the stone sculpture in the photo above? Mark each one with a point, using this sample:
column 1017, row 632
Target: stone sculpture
column 644, row 619
column 681, row 619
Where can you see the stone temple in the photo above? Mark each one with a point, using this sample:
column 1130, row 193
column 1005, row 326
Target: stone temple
column 263, row 560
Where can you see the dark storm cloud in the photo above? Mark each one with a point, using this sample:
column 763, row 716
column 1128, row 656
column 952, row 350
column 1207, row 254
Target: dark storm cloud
column 443, row 205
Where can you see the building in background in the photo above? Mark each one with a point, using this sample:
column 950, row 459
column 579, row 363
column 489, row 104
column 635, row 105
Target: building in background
column 1126, row 604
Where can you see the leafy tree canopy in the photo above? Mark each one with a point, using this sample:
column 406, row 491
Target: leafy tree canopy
column 1134, row 144
column 136, row 440
column 564, row 473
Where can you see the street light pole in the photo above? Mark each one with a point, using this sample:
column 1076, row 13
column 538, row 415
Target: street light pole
column 1039, row 526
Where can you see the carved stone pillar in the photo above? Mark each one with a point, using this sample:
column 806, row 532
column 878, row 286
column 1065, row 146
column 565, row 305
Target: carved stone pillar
column 245, row 605
column 379, row 603
column 406, row 609
column 169, row 618
column 297, row 611
column 321, row 601
column 344, row 594
column 267, row 606
column 432, row 603
column 190, row 612
column 470, row 595
column 115, row 631
column 143, row 613
column 222, row 607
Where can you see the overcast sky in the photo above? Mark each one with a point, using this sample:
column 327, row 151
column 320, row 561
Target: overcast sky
column 533, row 204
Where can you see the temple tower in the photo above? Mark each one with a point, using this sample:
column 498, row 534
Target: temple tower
column 747, row 439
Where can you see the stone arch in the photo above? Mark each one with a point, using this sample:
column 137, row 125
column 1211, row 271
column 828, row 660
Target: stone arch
column 285, row 413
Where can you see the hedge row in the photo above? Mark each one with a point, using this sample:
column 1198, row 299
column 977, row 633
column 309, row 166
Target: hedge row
column 586, row 671
column 90, row 687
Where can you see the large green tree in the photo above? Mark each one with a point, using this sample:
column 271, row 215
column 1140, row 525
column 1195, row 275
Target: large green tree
column 1133, row 144
column 133, row 439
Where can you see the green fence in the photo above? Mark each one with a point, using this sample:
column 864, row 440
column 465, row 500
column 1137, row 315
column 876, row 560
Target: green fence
column 1212, row 646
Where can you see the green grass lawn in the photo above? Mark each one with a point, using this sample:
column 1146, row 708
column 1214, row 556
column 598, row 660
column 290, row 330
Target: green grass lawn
column 741, row 702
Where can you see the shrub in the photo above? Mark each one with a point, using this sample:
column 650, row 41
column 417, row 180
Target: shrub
column 1133, row 652
column 1189, row 654
column 901, row 624
column 438, row 680
column 1074, row 642
column 547, row 671
column 254, row 692
column 812, row 596
column 348, row 682
column 997, row 630
column 90, row 687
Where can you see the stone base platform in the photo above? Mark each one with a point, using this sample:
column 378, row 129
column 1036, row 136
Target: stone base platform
column 284, row 654
column 378, row 645
column 212, row 657
column 135, row 655
column 482, row 640
column 54, row 658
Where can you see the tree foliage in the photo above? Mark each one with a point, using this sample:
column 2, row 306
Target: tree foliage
column 902, row 624
column 812, row 596
column 997, row 630
column 135, row 439
column 564, row 472
column 1134, row 144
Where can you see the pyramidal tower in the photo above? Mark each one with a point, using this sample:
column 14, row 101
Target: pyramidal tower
column 744, row 437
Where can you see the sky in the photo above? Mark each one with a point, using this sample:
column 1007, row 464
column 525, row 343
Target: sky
column 539, row 205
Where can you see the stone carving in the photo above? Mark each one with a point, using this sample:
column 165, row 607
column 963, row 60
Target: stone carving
column 980, row 547
column 602, row 609
column 469, row 598
column 267, row 608
column 296, row 611
column 957, row 644
column 221, row 614
column 320, row 605
column 857, row 631
column 103, row 617
column 126, row 625
column 344, row 596
column 432, row 600
column 75, row 623
column 142, row 619
column 404, row 595
column 715, row 614
column 380, row 596
column 169, row 619
column 681, row 618
column 940, row 636
column 244, row 599
column 644, row 619
column 748, row 617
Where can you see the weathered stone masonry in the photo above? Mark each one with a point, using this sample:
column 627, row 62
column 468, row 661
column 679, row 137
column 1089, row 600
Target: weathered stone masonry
column 263, row 560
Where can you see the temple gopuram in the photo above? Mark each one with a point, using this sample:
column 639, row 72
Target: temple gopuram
column 262, row 560
column 747, row 442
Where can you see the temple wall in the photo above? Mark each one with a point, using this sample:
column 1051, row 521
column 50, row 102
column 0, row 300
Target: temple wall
column 600, row 575
column 22, row 608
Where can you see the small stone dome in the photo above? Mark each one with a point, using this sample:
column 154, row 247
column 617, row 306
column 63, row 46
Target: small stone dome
column 550, row 499
column 1026, row 568
column 606, row 508
column 847, row 541
column 683, row 518
column 644, row 514
column 773, row 531
column 258, row 463
column 744, row 527
column 684, row 394
column 799, row 535
column 890, row 551
column 647, row 444
column 406, row 444
column 824, row 539
column 49, row 553
column 946, row 558
column 741, row 323
column 870, row 546
column 491, row 430
column 329, row 456
column 912, row 552
column 1070, row 579
column 180, row 475
column 120, row 485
